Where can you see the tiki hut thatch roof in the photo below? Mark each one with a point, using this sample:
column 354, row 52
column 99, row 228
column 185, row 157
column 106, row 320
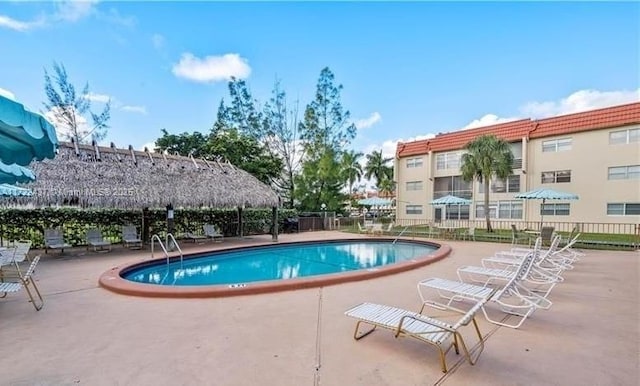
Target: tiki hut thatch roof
column 117, row 178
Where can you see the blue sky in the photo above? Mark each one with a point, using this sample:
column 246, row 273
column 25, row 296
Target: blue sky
column 408, row 69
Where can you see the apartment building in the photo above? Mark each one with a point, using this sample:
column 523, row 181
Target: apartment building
column 594, row 154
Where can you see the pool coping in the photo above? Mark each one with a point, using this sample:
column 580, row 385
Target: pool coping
column 112, row 279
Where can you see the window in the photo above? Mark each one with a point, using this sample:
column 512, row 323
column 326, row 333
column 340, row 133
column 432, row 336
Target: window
column 414, row 209
column 501, row 209
column 457, row 212
column 511, row 185
column 554, row 209
column 414, row 185
column 623, row 209
column 556, row 176
column 453, row 185
column 623, row 137
column 448, row 160
column 556, row 145
column 414, row 162
column 624, row 172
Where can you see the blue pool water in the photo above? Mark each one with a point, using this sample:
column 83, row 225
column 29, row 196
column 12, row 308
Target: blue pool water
column 278, row 262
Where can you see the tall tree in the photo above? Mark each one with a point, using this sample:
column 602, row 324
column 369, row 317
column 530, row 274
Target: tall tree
column 184, row 144
column 487, row 157
column 325, row 131
column 351, row 169
column 377, row 167
column 280, row 127
column 69, row 110
column 244, row 112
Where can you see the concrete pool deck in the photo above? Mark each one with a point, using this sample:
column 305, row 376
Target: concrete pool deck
column 88, row 335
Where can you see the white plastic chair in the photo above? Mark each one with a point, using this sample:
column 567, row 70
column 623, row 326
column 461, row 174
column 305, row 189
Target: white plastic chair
column 13, row 280
column 211, row 232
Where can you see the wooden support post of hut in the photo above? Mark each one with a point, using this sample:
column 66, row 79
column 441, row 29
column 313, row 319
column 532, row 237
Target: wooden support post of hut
column 274, row 224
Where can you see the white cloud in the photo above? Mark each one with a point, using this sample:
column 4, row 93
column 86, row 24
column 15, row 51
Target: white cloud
column 64, row 131
column 73, row 11
column 149, row 145
column 135, row 109
column 374, row 118
column 211, row 68
column 7, row 94
column 158, row 41
column 20, row 26
column 69, row 11
column 487, row 120
column 102, row 98
column 581, row 100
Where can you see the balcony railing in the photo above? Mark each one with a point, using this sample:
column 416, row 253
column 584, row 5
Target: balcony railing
column 517, row 163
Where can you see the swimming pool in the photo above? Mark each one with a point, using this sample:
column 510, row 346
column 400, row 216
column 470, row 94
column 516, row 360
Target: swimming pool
column 270, row 268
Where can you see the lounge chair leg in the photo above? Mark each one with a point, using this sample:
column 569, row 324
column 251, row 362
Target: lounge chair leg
column 443, row 361
column 365, row 333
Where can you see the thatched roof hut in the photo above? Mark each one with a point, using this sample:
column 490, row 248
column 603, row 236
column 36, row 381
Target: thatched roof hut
column 95, row 176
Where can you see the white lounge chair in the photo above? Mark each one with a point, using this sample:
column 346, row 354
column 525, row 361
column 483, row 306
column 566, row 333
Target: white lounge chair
column 513, row 298
column 442, row 334
column 21, row 250
column 130, row 237
column 95, row 240
column 362, row 229
column 212, row 232
column 54, row 239
column 194, row 237
column 13, row 280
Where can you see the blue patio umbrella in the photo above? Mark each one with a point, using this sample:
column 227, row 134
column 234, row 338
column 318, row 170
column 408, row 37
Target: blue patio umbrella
column 11, row 174
column 14, row 191
column 375, row 201
column 450, row 200
column 24, row 135
column 544, row 195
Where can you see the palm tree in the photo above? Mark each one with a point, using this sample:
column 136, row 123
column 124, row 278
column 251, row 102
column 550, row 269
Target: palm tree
column 351, row 169
column 387, row 185
column 377, row 167
column 487, row 156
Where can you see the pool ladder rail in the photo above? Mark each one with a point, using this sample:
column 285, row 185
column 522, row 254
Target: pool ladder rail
column 400, row 234
column 164, row 246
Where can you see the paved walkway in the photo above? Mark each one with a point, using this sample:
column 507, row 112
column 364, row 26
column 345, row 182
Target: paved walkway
column 88, row 335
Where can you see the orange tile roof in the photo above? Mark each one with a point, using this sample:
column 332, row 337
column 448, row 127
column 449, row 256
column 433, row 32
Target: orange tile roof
column 512, row 131
column 589, row 120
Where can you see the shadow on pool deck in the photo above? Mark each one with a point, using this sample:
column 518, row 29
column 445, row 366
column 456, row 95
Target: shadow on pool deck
column 88, row 335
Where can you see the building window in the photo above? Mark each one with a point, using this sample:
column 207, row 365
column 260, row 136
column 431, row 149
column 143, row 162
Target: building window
column 414, row 185
column 554, row 209
column 623, row 137
column 453, row 185
column 449, row 160
column 501, row 210
column 414, row 209
column 556, row 145
column 511, row 185
column 414, row 162
column 624, row 172
column 623, row 209
column 556, row 176
column 457, row 212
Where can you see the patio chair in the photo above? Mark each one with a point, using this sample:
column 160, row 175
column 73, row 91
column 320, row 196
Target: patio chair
column 442, row 334
column 194, row 237
column 517, row 236
column 389, row 228
column 212, row 232
column 54, row 239
column 362, row 229
column 130, row 237
column 468, row 234
column 21, row 250
column 513, row 298
column 95, row 240
column 13, row 280
column 546, row 233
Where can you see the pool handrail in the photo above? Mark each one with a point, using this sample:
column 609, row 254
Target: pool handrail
column 400, row 234
column 164, row 249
